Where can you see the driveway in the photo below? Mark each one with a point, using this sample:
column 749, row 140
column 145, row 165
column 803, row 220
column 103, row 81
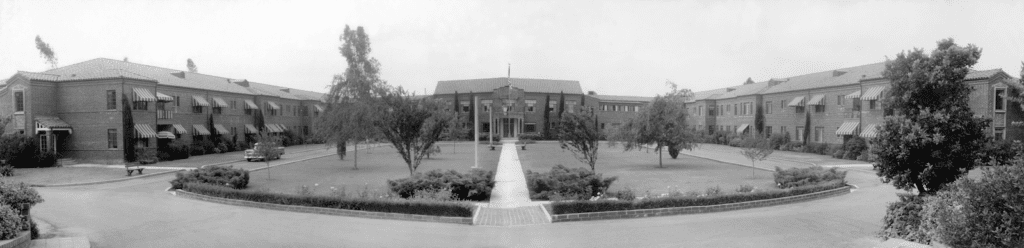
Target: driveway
column 139, row 213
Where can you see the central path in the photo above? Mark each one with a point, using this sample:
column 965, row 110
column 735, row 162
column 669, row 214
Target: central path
column 510, row 199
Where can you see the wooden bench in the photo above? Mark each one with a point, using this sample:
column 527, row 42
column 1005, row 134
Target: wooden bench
column 132, row 168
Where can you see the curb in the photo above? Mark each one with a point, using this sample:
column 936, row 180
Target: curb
column 327, row 211
column 716, row 160
column 643, row 213
column 107, row 181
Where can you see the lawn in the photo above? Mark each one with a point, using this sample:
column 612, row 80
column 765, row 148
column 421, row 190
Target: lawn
column 637, row 170
column 65, row 175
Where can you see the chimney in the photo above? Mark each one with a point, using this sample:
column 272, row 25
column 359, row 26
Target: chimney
column 243, row 83
column 749, row 81
column 592, row 93
column 179, row 74
column 729, row 89
column 287, row 90
column 837, row 73
column 776, row 81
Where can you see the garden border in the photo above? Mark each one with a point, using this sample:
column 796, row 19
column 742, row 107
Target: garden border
column 329, row 211
column 643, row 213
column 106, row 181
column 21, row 241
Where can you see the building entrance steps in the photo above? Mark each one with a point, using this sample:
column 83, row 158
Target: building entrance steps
column 509, row 182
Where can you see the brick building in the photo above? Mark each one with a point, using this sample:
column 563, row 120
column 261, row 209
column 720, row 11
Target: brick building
column 76, row 110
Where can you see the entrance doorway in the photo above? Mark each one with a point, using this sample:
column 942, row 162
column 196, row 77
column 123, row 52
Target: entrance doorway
column 509, row 128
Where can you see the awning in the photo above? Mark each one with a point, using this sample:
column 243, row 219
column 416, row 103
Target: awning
column 742, row 128
column 873, row 93
column 797, row 102
column 271, row 128
column 200, row 130
column 200, row 101
column 144, row 131
column 817, row 100
column 164, row 98
column 848, row 128
column 179, row 129
column 165, row 135
column 251, row 105
column 143, row 95
column 220, row 102
column 869, row 131
column 319, row 108
column 855, row 94
column 51, row 123
column 220, row 129
column 282, row 127
column 273, row 105
column 249, row 129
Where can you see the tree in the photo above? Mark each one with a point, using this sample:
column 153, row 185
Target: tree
column 930, row 141
column 267, row 147
column 578, row 132
column 561, row 104
column 191, row 66
column 661, row 124
column 756, row 148
column 547, row 117
column 46, row 52
column 128, row 129
column 979, row 213
column 807, row 127
column 411, row 126
column 759, row 120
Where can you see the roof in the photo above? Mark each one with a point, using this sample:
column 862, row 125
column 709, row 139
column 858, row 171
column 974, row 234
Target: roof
column 707, row 94
column 743, row 90
column 51, row 121
column 102, row 68
column 623, row 98
column 983, row 74
column 846, row 76
column 527, row 84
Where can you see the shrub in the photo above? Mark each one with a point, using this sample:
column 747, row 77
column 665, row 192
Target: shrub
column 778, row 140
column 22, row 151
column 745, row 189
column 578, row 182
column 11, row 224
column 146, row 155
column 6, row 171
column 795, row 177
column 978, row 213
column 175, row 150
column 475, row 185
column 530, row 136
column 626, row 194
column 218, row 175
column 19, row 196
column 903, row 220
column 386, row 205
column 854, row 147
column 569, row 207
column 735, row 142
column 196, row 150
column 713, row 191
column 999, row 152
column 673, row 152
column 863, row 157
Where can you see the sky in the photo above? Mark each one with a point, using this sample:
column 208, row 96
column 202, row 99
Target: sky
column 611, row 47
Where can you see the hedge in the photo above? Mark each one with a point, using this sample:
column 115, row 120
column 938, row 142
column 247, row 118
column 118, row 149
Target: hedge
column 475, row 185
column 219, row 175
column 570, row 207
column 386, row 205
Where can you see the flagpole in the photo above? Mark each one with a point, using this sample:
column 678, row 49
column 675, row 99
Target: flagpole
column 476, row 132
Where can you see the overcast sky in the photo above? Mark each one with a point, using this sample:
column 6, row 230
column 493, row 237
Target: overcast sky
column 612, row 47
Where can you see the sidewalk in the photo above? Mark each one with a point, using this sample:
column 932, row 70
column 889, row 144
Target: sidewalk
column 510, row 203
column 781, row 159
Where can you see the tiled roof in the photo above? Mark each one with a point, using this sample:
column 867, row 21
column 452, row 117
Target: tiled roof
column 623, row 98
column 527, row 84
column 707, row 94
column 982, row 74
column 743, row 90
column 847, row 76
column 110, row 68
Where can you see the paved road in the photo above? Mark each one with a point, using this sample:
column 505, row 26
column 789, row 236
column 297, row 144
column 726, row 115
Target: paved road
column 139, row 213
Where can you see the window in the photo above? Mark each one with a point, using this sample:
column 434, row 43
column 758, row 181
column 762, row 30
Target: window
column 768, row 110
column 111, row 138
column 818, row 131
column 530, row 127
column 871, row 104
column 602, row 125
column 233, row 106
column 856, row 104
column 142, row 142
column 700, row 110
column 839, row 100
column 177, row 101
column 1001, row 99
column 819, row 108
column 217, row 110
column 530, row 106
column 768, row 130
column 782, row 130
column 111, row 99
column 734, row 109
column 782, row 104
column 1000, row 133
column 140, row 105
column 799, row 133
column 604, row 107
column 570, row 106
column 799, row 109
column 552, row 105
column 485, row 126
column 197, row 109
column 249, row 111
column 43, row 145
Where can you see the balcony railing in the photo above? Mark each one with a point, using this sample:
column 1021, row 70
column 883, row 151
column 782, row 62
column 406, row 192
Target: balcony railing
column 165, row 114
column 851, row 115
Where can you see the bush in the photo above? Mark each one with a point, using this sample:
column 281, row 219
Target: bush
column 854, row 147
column 626, row 194
column 745, row 189
column 196, row 150
column 474, row 186
column 530, row 136
column 175, row 150
column 11, row 224
column 19, row 196
column 146, row 155
column 978, row 213
column 22, row 151
column 903, row 220
column 6, row 171
column 778, row 140
column 736, row 142
column 218, row 175
column 999, row 152
column 386, row 205
column 673, row 152
column 569, row 207
column 795, row 177
column 577, row 182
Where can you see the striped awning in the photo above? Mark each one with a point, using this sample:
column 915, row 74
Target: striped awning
column 143, row 95
column 817, row 100
column 873, row 93
column 249, row 128
column 200, row 130
column 164, row 98
column 855, row 94
column 869, row 131
column 319, row 108
column 251, row 105
column 144, row 131
column 273, row 105
column 797, row 102
column 220, row 102
column 200, row 101
column 179, row 129
column 165, row 135
column 272, row 128
column 742, row 128
column 51, row 123
column 282, row 127
column 848, row 128
column 220, row 129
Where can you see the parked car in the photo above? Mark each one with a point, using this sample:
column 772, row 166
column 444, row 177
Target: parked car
column 252, row 155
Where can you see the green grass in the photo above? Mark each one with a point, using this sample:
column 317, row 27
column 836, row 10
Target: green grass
column 65, row 175
column 637, row 170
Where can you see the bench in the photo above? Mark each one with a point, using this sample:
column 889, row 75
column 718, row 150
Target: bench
column 132, row 168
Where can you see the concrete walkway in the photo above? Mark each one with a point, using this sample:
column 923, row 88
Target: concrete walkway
column 510, row 203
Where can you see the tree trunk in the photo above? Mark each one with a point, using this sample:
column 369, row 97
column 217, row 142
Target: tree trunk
column 752, row 168
column 355, row 156
column 920, row 189
column 659, row 159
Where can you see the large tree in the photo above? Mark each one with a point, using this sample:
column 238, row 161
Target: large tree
column 661, row 124
column 411, row 126
column 46, row 52
column 930, row 141
column 547, row 117
column 191, row 66
column 128, row 130
column 578, row 132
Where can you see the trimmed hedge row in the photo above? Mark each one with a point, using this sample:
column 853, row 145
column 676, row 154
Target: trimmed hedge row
column 571, row 207
column 218, row 175
column 435, row 208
